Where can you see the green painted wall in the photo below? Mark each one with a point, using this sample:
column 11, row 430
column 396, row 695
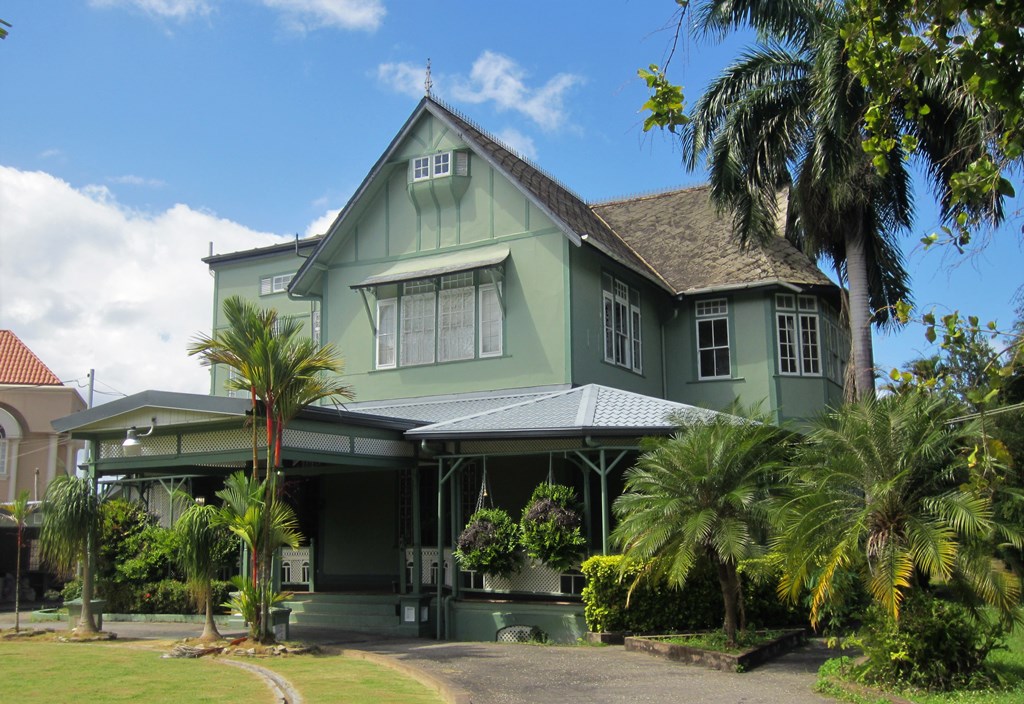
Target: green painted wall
column 242, row 278
column 588, row 365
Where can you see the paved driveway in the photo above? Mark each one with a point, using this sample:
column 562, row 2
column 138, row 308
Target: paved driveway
column 493, row 673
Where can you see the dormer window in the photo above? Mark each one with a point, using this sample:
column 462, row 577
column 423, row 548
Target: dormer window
column 423, row 168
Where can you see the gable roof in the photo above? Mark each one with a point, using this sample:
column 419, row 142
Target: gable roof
column 694, row 244
column 675, row 239
column 19, row 366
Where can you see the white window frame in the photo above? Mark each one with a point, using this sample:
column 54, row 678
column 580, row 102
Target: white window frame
column 708, row 312
column 420, row 168
column 438, row 165
column 441, row 165
column 386, row 332
column 797, row 320
column 453, row 324
column 622, row 324
column 315, row 322
column 493, row 293
column 278, row 283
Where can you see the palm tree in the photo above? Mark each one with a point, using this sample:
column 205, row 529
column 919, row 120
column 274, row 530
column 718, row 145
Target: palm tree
column 17, row 512
column 71, row 521
column 284, row 373
column 883, row 489
column 786, row 118
column 264, row 523
column 202, row 542
column 701, row 494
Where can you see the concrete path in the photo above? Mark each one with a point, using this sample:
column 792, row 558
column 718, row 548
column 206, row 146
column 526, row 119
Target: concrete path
column 493, row 673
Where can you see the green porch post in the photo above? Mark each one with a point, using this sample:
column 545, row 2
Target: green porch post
column 417, row 536
column 440, row 542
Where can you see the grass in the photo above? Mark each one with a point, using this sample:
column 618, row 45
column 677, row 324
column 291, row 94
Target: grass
column 49, row 672
column 331, row 678
column 1007, row 666
column 717, row 642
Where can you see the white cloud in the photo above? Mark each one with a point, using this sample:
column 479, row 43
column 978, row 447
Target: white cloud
column 320, row 225
column 50, row 153
column 172, row 9
column 133, row 180
column 520, row 142
column 498, row 79
column 299, row 15
column 304, row 15
column 87, row 283
column 404, row 78
column 494, row 78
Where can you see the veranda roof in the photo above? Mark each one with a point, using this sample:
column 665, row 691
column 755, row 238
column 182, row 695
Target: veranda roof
column 586, row 410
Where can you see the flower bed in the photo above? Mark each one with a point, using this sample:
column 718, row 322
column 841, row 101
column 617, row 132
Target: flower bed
column 663, row 647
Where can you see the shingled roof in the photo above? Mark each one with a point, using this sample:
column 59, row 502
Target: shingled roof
column 694, row 246
column 20, row 367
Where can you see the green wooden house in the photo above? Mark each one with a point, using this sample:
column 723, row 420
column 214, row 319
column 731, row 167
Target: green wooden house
column 499, row 332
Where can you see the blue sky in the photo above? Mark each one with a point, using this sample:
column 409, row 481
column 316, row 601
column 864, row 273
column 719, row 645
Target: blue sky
column 135, row 132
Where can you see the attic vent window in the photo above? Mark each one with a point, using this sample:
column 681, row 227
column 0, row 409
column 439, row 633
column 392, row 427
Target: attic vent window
column 275, row 284
column 423, row 168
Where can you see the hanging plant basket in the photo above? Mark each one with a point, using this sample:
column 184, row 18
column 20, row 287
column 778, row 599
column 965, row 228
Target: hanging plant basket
column 489, row 543
column 550, row 527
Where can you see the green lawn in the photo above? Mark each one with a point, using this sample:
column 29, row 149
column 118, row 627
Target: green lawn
column 48, row 672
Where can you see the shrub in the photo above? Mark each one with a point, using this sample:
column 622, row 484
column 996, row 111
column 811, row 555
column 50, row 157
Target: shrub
column 489, row 543
column 654, row 607
column 550, row 527
column 936, row 644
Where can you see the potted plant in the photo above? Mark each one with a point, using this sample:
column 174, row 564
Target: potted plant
column 550, row 527
column 489, row 543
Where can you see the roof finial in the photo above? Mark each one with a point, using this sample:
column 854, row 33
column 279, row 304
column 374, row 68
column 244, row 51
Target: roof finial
column 428, row 82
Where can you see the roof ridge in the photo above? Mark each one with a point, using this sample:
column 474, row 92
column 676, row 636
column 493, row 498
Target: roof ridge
column 511, row 150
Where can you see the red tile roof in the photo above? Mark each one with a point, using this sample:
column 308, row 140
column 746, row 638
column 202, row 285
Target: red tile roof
column 20, row 366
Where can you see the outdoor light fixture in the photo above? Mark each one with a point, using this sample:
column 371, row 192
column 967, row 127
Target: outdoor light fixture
column 132, row 447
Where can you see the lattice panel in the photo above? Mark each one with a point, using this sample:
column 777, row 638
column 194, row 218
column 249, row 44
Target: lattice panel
column 536, row 578
column 428, row 566
column 219, row 440
column 380, row 446
column 295, row 566
column 520, row 634
column 514, row 447
column 318, row 442
column 153, row 446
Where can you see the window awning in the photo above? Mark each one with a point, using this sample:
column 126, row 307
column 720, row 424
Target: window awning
column 438, row 265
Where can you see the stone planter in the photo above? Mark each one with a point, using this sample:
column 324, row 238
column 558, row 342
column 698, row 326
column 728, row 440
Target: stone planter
column 280, row 616
column 606, row 638
column 735, row 662
column 75, row 612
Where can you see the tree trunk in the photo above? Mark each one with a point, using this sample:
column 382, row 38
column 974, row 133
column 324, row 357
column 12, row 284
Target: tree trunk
column 729, row 581
column 210, row 632
column 860, row 314
column 17, row 580
column 86, row 624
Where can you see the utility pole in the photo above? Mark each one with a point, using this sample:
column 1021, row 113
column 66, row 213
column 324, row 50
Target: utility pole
column 92, row 385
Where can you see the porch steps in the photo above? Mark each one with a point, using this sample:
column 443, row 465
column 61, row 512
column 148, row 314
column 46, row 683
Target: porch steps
column 353, row 612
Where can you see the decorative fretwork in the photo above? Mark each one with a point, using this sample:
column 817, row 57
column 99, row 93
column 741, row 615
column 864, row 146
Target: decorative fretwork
column 154, row 446
column 428, row 566
column 318, row 442
column 295, row 566
column 219, row 440
column 515, row 447
column 382, row 447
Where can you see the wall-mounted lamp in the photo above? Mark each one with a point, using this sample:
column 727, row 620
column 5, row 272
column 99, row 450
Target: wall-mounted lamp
column 132, row 447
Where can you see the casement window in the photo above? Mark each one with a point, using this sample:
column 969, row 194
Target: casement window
column 314, row 325
column 713, row 356
column 798, row 334
column 836, row 350
column 275, row 284
column 445, row 319
column 422, row 168
column 623, row 326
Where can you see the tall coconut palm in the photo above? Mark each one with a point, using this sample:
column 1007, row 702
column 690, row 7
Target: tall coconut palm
column 882, row 489
column 203, row 540
column 701, row 494
column 71, row 521
column 17, row 512
column 786, row 118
